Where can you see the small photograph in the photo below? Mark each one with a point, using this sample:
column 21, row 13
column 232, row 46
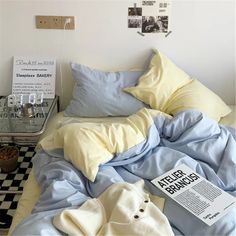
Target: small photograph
column 154, row 24
column 134, row 17
column 134, row 11
column 149, row 25
column 134, row 23
column 163, row 23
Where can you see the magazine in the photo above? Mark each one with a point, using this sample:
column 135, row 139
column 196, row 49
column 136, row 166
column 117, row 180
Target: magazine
column 196, row 194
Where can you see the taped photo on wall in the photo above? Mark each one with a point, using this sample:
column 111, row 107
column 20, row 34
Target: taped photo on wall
column 157, row 24
column 150, row 17
column 134, row 17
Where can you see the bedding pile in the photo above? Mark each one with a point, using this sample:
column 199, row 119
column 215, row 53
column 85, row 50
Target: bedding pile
column 79, row 162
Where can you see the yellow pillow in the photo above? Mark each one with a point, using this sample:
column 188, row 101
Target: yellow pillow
column 167, row 88
column 161, row 80
column 195, row 95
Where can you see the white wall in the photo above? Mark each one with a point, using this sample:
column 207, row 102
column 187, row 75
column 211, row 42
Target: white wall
column 202, row 41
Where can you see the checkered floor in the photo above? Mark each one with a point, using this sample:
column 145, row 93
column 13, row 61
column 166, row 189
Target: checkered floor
column 11, row 184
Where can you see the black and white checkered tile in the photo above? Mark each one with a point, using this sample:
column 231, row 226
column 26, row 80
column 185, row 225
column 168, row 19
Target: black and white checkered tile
column 11, row 184
column 8, row 203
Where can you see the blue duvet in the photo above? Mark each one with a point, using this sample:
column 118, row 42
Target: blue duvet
column 190, row 138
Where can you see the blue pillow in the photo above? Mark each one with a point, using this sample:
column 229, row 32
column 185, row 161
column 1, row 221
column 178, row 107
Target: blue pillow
column 99, row 94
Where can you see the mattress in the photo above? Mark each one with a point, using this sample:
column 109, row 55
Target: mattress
column 32, row 190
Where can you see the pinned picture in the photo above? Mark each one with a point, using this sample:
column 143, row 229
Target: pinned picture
column 152, row 17
column 134, row 11
column 157, row 24
column 134, row 17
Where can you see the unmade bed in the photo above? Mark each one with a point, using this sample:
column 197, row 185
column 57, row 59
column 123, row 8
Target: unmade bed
column 82, row 163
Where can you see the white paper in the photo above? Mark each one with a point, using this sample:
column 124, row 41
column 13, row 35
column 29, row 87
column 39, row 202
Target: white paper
column 196, row 194
column 31, row 75
column 155, row 16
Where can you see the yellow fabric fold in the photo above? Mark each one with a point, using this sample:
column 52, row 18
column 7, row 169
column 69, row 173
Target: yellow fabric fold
column 88, row 145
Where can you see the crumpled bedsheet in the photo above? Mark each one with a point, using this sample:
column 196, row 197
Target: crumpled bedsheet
column 189, row 138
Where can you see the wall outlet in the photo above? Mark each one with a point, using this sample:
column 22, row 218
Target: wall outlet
column 68, row 22
column 42, row 22
column 55, row 22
